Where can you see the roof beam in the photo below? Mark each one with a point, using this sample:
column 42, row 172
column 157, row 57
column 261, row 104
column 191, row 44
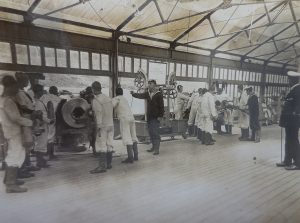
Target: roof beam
column 33, row 6
column 212, row 26
column 281, row 51
column 159, row 11
column 267, row 40
column 126, row 21
column 193, row 27
column 294, row 16
column 249, row 25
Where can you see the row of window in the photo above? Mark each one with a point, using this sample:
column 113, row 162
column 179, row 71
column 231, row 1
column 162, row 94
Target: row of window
column 273, row 78
column 238, row 75
column 129, row 65
column 188, row 70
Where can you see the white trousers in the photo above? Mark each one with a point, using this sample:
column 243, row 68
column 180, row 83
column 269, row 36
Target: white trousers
column 51, row 132
column 104, row 139
column 208, row 125
column 128, row 131
column 192, row 116
column 41, row 141
column 15, row 153
column 228, row 117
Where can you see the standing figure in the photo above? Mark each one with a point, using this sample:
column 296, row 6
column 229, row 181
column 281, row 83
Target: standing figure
column 253, row 108
column 51, row 100
column 103, row 109
column 290, row 120
column 193, row 105
column 243, row 121
column 209, row 114
column 155, row 111
column 127, row 125
column 180, row 102
column 12, row 121
column 42, row 137
column 199, row 117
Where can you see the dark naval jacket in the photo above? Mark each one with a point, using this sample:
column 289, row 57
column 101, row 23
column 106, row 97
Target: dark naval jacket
column 155, row 105
column 290, row 115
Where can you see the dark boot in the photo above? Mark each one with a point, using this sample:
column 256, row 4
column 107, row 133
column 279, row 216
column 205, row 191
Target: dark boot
column 190, row 130
column 101, row 168
column 227, row 129
column 23, row 173
column 253, row 133
column 230, row 129
column 129, row 155
column 156, row 146
column 195, row 131
column 135, row 152
column 27, row 164
column 41, row 161
column 208, row 139
column 50, row 151
column 11, row 181
column 242, row 135
column 203, row 138
column 199, row 134
column 109, row 160
column 247, row 133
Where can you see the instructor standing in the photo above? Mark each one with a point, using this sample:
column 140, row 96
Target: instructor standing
column 155, row 110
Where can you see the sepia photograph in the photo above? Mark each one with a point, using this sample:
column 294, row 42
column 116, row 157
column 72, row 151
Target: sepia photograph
column 149, row 111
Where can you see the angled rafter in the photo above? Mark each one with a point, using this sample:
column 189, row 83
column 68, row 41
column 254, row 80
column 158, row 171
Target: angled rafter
column 193, row 27
column 281, row 51
column 33, row 6
column 212, row 26
column 126, row 21
column 294, row 16
column 249, row 25
column 267, row 40
column 159, row 11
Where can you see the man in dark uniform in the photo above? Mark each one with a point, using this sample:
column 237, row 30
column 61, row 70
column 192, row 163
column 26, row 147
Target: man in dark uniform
column 290, row 120
column 155, row 110
column 253, row 108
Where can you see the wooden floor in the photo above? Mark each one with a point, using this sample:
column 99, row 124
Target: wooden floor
column 188, row 182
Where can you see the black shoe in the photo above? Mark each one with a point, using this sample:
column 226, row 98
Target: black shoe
column 53, row 157
column 33, row 168
column 292, row 167
column 156, row 153
column 150, row 150
column 98, row 170
column 282, row 164
column 25, row 174
column 127, row 161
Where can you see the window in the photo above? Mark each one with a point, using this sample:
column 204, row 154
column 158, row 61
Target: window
column 50, row 57
column 136, row 64
column 35, row 55
column 171, row 67
column 144, row 65
column 121, row 63
column 5, row 53
column 96, row 61
column 190, row 70
column 61, row 56
column 84, row 60
column 104, row 62
column 178, row 69
column 22, row 56
column 205, row 69
column 183, row 70
column 74, row 59
column 127, row 64
column 195, row 71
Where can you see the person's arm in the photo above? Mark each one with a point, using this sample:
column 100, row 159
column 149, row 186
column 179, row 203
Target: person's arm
column 183, row 97
column 115, row 102
column 11, row 110
column 140, row 95
column 98, row 110
column 212, row 107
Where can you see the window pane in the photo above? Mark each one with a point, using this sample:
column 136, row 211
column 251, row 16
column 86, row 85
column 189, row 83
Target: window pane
column 74, row 59
column 5, row 53
column 128, row 64
column 84, row 60
column 22, row 56
column 190, row 70
column 61, row 56
column 50, row 57
column 195, row 71
column 120, row 63
column 200, row 71
column 105, row 61
column 183, row 70
column 137, row 64
column 171, row 67
column 178, row 69
column 144, row 65
column 96, row 61
column 205, row 73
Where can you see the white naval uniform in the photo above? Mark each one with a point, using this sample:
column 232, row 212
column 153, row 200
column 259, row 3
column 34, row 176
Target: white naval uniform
column 193, row 104
column 127, row 124
column 51, row 127
column 208, row 110
column 103, row 109
column 243, row 121
column 42, row 140
column 11, row 124
column 180, row 101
